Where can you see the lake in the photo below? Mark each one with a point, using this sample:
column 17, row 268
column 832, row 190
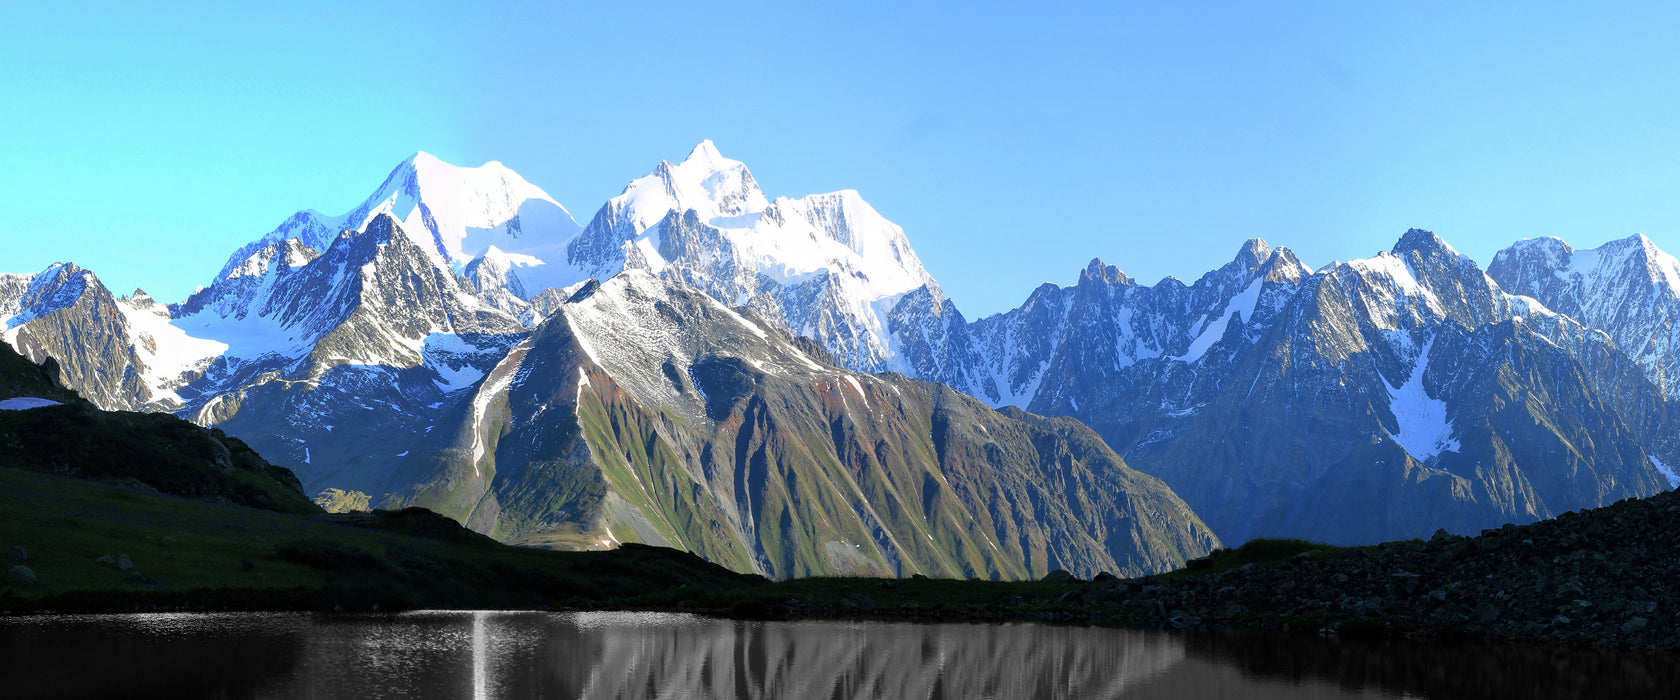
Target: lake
column 662, row 655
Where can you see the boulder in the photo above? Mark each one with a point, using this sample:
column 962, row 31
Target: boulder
column 17, row 553
column 1059, row 576
column 21, row 574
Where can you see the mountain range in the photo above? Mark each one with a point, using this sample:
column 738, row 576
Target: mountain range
column 780, row 386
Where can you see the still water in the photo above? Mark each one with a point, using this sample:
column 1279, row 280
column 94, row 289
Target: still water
column 654, row 655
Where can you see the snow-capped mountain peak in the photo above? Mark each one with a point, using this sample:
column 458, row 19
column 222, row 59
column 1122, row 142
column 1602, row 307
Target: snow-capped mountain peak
column 828, row 266
column 705, row 181
column 454, row 213
column 1424, row 242
column 1638, row 251
column 1629, row 287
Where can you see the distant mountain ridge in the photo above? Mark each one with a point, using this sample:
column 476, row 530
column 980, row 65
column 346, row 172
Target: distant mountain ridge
column 1628, row 288
column 389, row 351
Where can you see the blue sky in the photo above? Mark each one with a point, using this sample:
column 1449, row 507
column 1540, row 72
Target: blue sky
column 1013, row 143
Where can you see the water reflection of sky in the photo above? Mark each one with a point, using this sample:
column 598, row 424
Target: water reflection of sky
column 649, row 655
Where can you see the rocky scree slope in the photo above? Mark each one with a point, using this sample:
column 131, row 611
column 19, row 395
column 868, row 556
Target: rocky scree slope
column 1602, row 575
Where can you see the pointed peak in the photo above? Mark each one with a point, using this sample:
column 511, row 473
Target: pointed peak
column 1424, row 242
column 1254, row 253
column 422, row 163
column 1096, row 271
column 417, row 162
column 64, row 268
column 702, row 163
column 1638, row 241
column 1283, row 266
column 705, row 151
column 381, row 225
column 584, row 291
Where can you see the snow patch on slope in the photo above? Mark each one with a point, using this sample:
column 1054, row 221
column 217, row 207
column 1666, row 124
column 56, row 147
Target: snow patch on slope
column 449, row 356
column 495, row 385
column 1395, row 286
column 1243, row 303
column 1424, row 429
column 1673, row 478
column 166, row 350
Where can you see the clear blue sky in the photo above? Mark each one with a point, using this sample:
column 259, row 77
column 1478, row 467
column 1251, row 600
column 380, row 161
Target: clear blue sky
column 1013, row 143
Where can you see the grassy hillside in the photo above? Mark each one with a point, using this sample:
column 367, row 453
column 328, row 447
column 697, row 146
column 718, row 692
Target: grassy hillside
column 197, row 555
column 152, row 450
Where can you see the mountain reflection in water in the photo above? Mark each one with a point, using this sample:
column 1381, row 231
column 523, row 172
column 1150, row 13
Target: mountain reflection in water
column 655, row 655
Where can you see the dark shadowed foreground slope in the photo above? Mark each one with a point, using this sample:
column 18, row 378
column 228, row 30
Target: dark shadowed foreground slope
column 154, row 450
column 93, row 546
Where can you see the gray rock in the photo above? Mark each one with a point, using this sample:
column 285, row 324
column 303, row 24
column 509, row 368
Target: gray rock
column 1634, row 625
column 124, row 563
column 106, row 560
column 1059, row 576
column 1180, row 619
column 21, row 574
column 17, row 553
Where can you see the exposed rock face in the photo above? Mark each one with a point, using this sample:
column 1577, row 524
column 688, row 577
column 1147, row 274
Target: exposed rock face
column 648, row 412
column 65, row 313
column 1627, row 294
column 1628, row 288
column 341, row 501
column 1370, row 400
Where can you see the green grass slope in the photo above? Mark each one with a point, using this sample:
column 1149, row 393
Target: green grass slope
column 160, row 451
column 198, row 555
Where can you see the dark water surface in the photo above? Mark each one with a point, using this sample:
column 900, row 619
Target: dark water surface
column 652, row 655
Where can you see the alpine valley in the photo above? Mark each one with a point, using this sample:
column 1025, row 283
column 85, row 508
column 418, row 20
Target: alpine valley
column 780, row 387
